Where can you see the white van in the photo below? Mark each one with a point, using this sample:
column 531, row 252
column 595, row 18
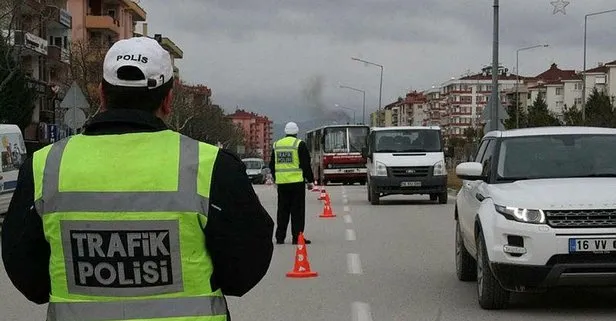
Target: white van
column 254, row 169
column 406, row 160
column 13, row 151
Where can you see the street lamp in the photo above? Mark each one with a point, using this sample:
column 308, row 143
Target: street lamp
column 381, row 83
column 351, row 109
column 363, row 117
column 517, row 80
column 584, row 72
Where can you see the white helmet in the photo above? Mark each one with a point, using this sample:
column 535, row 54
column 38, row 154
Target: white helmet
column 291, row 128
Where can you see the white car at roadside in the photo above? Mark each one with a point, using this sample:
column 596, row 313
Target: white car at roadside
column 537, row 210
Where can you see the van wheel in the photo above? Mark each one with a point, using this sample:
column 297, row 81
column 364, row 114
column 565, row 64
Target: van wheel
column 433, row 197
column 375, row 197
column 442, row 198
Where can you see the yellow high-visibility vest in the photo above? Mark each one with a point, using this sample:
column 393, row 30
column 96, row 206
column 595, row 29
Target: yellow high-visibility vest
column 286, row 161
column 124, row 216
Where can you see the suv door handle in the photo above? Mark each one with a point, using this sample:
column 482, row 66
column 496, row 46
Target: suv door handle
column 480, row 197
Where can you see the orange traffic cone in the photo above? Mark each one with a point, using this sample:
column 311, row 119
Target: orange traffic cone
column 327, row 211
column 301, row 269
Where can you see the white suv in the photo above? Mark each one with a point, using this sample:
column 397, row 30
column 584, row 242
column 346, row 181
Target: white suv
column 537, row 209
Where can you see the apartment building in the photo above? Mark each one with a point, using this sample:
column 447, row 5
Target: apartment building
column 103, row 22
column 258, row 132
column 39, row 34
column 558, row 87
column 434, row 109
column 460, row 102
column 602, row 77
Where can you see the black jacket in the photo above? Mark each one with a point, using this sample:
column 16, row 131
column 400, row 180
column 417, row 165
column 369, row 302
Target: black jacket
column 304, row 161
column 239, row 230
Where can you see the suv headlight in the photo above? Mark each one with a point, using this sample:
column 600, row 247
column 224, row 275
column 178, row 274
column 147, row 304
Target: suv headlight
column 439, row 169
column 380, row 169
column 522, row 214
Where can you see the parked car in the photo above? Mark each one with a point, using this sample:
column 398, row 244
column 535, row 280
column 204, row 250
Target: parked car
column 254, row 169
column 537, row 210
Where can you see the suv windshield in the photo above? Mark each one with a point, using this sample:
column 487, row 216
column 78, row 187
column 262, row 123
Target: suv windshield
column 416, row 140
column 253, row 164
column 557, row 156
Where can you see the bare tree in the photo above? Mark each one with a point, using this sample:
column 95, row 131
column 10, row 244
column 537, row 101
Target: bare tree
column 87, row 71
column 184, row 107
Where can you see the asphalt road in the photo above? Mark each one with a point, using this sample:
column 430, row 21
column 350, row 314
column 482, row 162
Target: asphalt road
column 389, row 262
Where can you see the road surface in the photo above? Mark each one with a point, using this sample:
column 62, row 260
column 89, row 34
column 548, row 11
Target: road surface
column 389, row 262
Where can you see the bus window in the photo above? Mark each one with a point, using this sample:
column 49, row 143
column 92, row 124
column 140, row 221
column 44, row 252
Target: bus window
column 336, row 140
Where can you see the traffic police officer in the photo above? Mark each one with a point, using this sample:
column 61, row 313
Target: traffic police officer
column 290, row 166
column 130, row 220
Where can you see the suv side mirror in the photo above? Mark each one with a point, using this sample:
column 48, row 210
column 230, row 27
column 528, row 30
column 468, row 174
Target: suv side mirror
column 470, row 171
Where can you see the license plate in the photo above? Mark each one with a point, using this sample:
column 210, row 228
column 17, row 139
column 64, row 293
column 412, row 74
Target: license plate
column 592, row 245
column 349, row 171
column 410, row 184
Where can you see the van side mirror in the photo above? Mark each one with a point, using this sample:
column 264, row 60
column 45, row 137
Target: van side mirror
column 364, row 152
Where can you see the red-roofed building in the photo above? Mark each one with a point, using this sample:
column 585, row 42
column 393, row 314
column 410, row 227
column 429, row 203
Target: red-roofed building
column 559, row 88
column 258, row 132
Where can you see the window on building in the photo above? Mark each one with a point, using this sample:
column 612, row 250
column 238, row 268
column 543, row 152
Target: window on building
column 578, row 101
column 559, row 91
column 578, row 86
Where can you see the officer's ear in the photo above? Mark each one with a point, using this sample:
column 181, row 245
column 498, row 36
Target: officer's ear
column 166, row 106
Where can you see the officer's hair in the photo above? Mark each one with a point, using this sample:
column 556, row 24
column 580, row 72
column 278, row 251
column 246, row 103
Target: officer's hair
column 119, row 97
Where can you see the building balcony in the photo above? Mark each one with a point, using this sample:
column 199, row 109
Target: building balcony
column 138, row 13
column 32, row 45
column 103, row 23
column 59, row 54
column 58, row 17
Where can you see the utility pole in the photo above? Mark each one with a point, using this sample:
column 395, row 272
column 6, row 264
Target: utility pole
column 494, row 96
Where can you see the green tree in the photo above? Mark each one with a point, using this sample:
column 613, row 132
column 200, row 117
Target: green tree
column 599, row 110
column 572, row 116
column 539, row 115
column 511, row 122
column 17, row 97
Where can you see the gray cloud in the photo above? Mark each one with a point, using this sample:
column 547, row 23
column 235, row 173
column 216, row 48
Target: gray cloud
column 260, row 54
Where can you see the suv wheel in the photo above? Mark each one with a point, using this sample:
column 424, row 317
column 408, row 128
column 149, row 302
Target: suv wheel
column 490, row 294
column 465, row 264
column 442, row 198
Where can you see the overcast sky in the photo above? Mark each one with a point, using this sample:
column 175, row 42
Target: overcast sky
column 264, row 55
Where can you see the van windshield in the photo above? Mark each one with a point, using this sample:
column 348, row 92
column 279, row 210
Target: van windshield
column 408, row 140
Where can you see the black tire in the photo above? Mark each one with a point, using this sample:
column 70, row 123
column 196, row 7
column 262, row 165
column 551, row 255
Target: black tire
column 490, row 293
column 375, row 197
column 466, row 266
column 369, row 194
column 442, row 198
column 433, row 197
column 362, row 182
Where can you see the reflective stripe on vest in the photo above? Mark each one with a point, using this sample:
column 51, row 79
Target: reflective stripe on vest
column 286, row 154
column 137, row 309
column 185, row 199
column 128, row 255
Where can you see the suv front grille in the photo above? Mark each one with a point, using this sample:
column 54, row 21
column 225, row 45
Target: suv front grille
column 581, row 218
column 422, row 171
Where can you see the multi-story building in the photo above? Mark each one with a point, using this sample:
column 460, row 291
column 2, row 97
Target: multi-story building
column 461, row 100
column 558, row 87
column 434, row 109
column 141, row 30
column 102, row 22
column 258, row 132
column 603, row 77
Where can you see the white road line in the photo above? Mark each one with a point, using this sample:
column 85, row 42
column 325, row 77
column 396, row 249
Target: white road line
column 348, row 219
column 350, row 235
column 353, row 264
column 347, row 208
column 361, row 311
